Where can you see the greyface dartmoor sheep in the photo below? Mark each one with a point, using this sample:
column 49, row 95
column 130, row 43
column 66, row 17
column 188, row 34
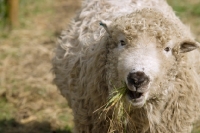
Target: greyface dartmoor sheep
column 139, row 45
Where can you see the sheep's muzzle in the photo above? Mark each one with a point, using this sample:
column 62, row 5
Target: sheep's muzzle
column 137, row 84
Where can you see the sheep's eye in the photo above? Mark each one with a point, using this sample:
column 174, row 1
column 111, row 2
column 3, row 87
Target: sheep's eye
column 122, row 42
column 167, row 49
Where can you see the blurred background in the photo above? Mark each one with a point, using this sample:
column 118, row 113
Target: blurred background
column 29, row 102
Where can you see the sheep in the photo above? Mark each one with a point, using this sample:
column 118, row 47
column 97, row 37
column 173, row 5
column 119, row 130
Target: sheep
column 137, row 44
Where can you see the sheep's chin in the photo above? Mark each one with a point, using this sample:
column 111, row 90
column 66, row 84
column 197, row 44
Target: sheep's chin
column 137, row 102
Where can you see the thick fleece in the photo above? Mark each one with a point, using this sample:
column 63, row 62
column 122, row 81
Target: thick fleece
column 140, row 34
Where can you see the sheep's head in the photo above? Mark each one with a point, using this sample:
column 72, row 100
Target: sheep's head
column 144, row 53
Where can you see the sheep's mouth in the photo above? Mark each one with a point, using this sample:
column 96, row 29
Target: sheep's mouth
column 134, row 94
column 137, row 98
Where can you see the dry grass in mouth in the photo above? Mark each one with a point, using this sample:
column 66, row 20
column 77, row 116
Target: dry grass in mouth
column 115, row 110
column 116, row 97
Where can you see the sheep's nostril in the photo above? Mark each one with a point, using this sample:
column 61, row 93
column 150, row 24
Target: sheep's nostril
column 137, row 79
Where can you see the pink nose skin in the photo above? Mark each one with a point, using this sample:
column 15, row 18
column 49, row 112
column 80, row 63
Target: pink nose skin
column 137, row 79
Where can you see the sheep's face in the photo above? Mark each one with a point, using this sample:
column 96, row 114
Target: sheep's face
column 139, row 65
column 145, row 60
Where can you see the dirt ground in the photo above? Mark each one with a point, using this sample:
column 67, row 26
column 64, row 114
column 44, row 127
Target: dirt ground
column 29, row 102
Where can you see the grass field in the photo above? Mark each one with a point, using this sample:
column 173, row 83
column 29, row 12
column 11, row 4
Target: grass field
column 29, row 102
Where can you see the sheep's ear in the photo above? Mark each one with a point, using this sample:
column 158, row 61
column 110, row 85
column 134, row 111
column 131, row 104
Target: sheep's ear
column 188, row 46
column 104, row 25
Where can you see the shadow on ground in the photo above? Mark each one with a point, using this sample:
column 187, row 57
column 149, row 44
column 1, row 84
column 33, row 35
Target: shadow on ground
column 12, row 126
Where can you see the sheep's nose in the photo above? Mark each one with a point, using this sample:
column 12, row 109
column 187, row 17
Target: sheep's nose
column 137, row 79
